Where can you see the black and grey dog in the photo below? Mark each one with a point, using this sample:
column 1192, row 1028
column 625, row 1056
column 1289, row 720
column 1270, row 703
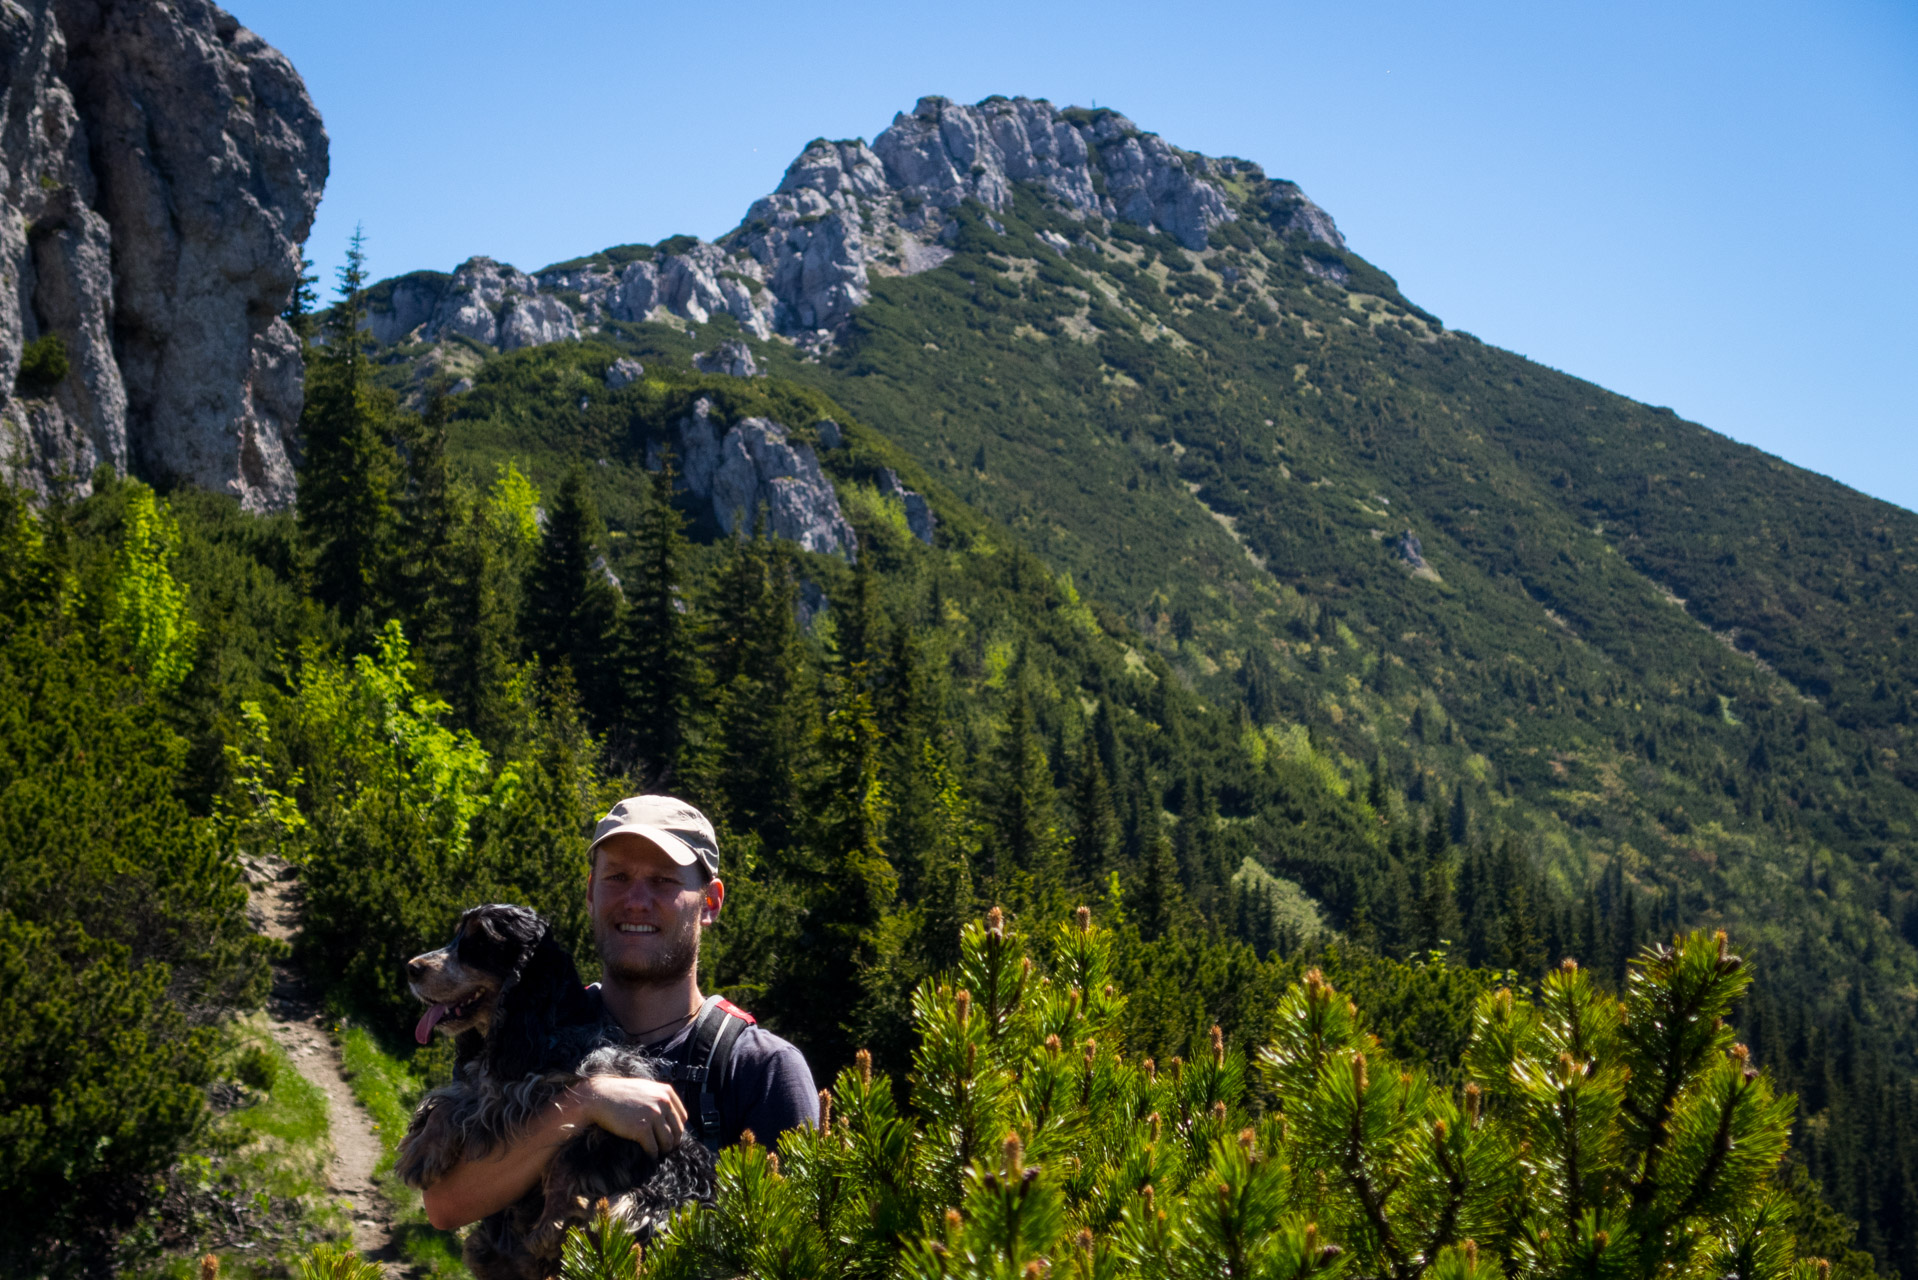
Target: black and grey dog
column 526, row 1032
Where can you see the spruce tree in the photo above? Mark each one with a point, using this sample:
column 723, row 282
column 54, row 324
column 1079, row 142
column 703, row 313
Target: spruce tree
column 1024, row 806
column 1095, row 824
column 1438, row 918
column 662, row 681
column 851, row 884
column 751, row 770
column 432, row 510
column 348, row 471
column 1158, row 895
column 572, row 607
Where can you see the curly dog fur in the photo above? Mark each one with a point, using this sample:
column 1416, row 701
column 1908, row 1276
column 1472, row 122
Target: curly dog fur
column 525, row 1033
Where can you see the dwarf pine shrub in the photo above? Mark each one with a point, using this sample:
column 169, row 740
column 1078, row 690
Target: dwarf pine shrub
column 1585, row 1136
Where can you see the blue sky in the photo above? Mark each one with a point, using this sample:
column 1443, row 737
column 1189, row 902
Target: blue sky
column 1707, row 206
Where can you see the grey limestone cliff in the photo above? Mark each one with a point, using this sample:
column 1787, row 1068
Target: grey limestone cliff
column 162, row 166
column 755, row 464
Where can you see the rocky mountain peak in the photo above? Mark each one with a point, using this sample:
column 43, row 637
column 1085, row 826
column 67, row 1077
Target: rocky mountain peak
column 804, row 257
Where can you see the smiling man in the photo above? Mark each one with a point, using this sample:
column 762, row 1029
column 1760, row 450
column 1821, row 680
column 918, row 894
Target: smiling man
column 654, row 886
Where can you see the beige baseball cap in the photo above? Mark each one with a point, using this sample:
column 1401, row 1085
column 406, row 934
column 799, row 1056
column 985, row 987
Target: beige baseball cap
column 669, row 822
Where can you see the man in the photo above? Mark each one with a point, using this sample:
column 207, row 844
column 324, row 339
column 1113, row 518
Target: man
column 654, row 885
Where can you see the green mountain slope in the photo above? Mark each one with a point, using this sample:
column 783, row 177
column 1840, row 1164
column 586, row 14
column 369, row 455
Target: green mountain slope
column 1662, row 669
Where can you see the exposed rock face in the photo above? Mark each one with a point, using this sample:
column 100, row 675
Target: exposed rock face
column 845, row 211
column 803, row 260
column 1413, row 556
column 483, row 300
column 624, row 372
column 919, row 517
column 162, row 166
column 734, row 359
column 754, row 463
column 1291, row 211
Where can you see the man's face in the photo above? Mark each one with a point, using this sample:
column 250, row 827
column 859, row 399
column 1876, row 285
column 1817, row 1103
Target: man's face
column 647, row 911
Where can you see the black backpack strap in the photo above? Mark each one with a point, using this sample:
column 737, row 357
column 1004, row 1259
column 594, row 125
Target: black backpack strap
column 706, row 1063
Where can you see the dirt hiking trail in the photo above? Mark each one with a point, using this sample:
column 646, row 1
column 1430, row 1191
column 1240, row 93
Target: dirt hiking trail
column 300, row 1028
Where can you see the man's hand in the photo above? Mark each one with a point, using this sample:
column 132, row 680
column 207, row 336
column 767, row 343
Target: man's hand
column 648, row 1112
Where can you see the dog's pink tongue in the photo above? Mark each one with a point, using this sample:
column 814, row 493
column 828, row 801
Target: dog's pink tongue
column 424, row 1031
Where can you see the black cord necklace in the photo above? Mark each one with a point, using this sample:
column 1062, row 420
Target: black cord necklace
column 635, row 1035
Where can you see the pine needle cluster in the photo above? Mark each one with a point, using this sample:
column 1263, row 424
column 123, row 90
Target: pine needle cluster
column 1585, row 1135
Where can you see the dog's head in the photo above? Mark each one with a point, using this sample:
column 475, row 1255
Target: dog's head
column 502, row 977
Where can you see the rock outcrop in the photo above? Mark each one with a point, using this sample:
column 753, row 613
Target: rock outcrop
column 624, row 372
column 482, row 300
column 734, row 359
column 1412, row 555
column 162, row 167
column 919, row 516
column 754, row 463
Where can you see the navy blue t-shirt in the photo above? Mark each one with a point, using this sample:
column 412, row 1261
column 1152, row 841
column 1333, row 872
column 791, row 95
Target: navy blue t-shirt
column 769, row 1091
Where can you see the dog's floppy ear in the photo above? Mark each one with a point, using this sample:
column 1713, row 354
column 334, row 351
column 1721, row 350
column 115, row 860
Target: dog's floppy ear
column 544, row 996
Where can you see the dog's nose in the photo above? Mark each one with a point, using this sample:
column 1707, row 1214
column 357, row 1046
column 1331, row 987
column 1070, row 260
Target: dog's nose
column 416, row 969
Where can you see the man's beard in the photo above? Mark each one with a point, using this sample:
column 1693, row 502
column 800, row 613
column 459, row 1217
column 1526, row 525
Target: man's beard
column 674, row 957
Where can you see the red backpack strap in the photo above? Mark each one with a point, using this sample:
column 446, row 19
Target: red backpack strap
column 727, row 1006
column 707, row 1061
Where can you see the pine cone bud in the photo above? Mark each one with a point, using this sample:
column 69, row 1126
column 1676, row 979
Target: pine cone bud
column 1824, row 1268
column 1092, row 1051
column 1225, row 1195
column 1052, row 1046
column 972, row 1054
column 952, row 1222
column 1358, row 1072
column 209, row 1267
column 1438, row 1130
column 1015, row 1157
column 1601, row 1238
column 1568, row 965
column 1150, row 1197
column 825, row 1110
column 1025, row 968
column 772, row 1163
column 1314, row 984
column 1152, row 1123
column 1740, row 1053
column 1474, row 1101
column 962, row 1005
column 863, row 1059
column 1178, row 1069
column 1247, row 1140
column 1083, row 918
column 1109, row 991
column 1033, row 1271
column 1151, row 1071
column 996, row 923
column 746, row 1139
column 1470, row 1249
column 1218, row 1046
column 1085, row 1233
column 1311, row 1237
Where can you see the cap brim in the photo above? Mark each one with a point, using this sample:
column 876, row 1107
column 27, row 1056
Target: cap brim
column 668, row 843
